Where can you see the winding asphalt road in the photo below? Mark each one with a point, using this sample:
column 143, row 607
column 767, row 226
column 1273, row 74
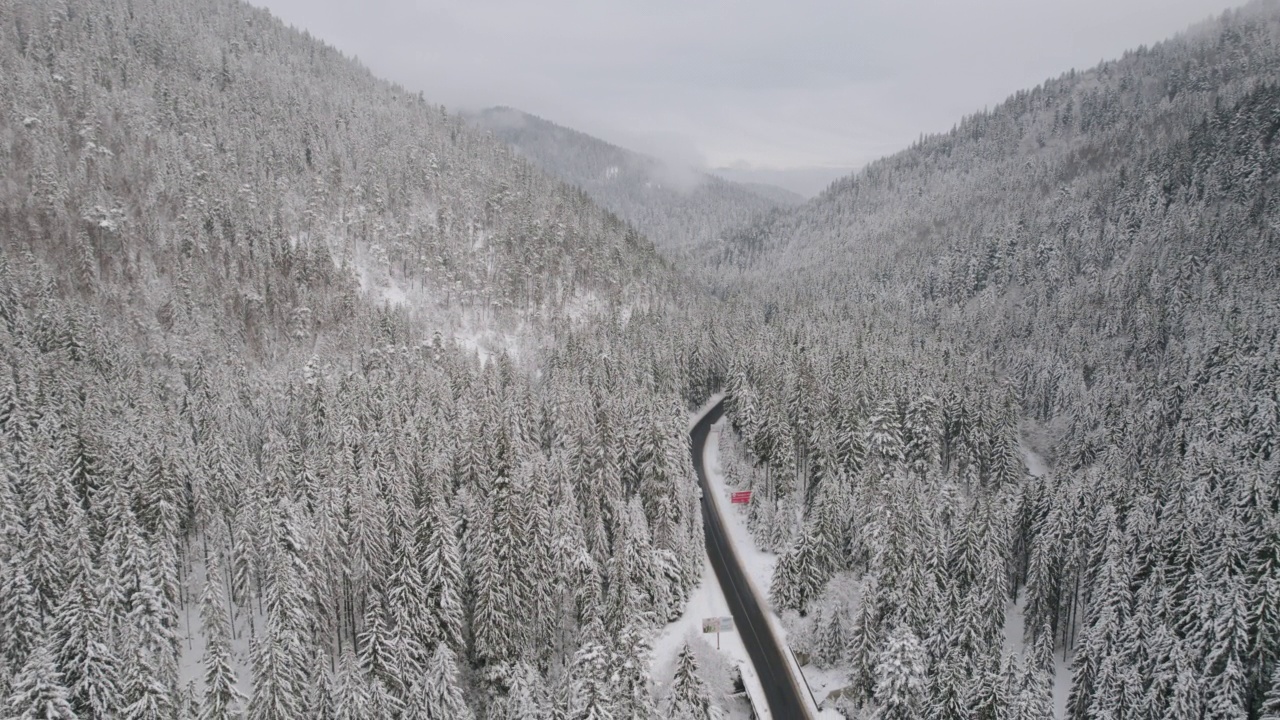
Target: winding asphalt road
column 767, row 654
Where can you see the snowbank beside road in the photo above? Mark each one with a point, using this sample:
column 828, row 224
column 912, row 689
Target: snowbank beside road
column 706, row 601
column 757, row 564
column 696, row 415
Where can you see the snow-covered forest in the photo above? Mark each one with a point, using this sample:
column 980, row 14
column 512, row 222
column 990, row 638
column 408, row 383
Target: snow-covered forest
column 1088, row 271
column 255, row 463
column 247, row 471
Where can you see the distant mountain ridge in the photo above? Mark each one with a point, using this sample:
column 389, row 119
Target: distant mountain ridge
column 1062, row 133
column 678, row 208
column 807, row 182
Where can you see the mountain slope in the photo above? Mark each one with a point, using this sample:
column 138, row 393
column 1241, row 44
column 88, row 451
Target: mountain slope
column 678, row 208
column 255, row 138
column 1088, row 269
column 243, row 469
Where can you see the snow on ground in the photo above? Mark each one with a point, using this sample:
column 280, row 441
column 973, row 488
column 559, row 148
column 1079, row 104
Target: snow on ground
column 706, row 601
column 583, row 306
column 824, row 682
column 1013, row 625
column 1035, row 464
column 191, row 635
column 1014, row 644
column 467, row 326
column 758, row 565
column 696, row 415
column 487, row 343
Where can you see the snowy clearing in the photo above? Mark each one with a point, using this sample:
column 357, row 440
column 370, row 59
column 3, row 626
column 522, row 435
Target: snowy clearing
column 191, row 667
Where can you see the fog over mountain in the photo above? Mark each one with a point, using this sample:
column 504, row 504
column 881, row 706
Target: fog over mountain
column 804, row 181
column 675, row 204
column 810, row 83
column 319, row 399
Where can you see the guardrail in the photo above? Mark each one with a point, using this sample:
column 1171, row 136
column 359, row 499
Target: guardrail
column 745, row 599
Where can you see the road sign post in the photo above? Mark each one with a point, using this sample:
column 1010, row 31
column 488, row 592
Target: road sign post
column 717, row 625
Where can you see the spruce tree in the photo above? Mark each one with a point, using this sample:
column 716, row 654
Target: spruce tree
column 442, row 577
column 222, row 698
column 440, row 695
column 277, row 689
column 689, row 697
column 1271, row 700
column 634, row 692
column 900, row 677
column 36, row 691
column 591, row 678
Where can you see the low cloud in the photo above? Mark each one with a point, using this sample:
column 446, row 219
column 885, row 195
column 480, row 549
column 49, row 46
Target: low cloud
column 680, row 163
column 800, row 84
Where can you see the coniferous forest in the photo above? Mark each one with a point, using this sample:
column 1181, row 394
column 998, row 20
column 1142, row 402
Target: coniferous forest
column 319, row 401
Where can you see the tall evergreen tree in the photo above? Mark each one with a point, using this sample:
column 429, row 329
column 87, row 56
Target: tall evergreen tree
column 222, row 697
column 37, row 692
column 900, row 677
column 689, row 697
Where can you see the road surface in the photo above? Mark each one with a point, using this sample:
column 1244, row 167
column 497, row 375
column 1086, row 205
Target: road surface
column 767, row 654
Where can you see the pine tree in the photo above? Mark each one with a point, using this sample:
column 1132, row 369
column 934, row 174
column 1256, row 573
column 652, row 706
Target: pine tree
column 864, row 650
column 948, row 697
column 1035, row 695
column 440, row 696
column 526, row 697
column 513, row 590
column 1226, row 691
column 488, row 592
column 1264, row 608
column 43, row 542
column 321, row 703
column 37, row 691
column 1271, row 701
column 443, row 579
column 832, row 640
column 412, row 623
column 19, row 616
column 85, row 657
column 590, row 693
column 277, row 690
column 536, row 496
column 351, row 691
column 222, row 698
column 383, row 703
column 147, row 695
column 900, row 677
column 634, row 694
column 90, row 664
column 689, row 697
column 378, row 653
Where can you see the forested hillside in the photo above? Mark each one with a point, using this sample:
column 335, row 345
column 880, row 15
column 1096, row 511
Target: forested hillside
column 245, row 471
column 1088, row 270
column 678, row 208
column 176, row 138
column 250, row 466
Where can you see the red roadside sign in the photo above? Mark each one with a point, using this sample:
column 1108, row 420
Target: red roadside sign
column 742, row 497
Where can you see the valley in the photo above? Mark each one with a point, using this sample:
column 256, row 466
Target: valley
column 320, row 400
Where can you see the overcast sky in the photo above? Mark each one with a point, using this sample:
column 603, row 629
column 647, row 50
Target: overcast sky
column 776, row 84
